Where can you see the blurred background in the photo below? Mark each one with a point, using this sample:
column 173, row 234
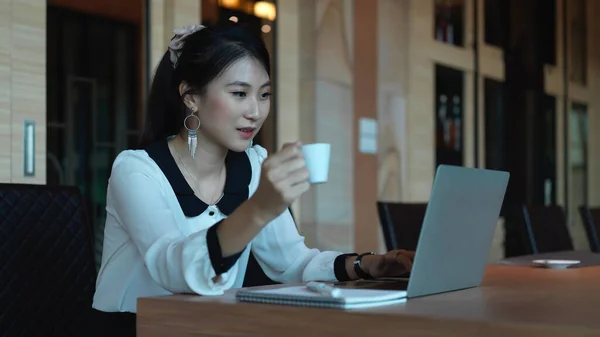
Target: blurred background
column 396, row 86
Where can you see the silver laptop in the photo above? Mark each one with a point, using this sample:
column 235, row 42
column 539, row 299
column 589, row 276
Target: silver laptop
column 456, row 235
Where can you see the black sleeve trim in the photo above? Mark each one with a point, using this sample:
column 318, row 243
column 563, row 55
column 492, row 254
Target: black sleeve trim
column 339, row 267
column 219, row 263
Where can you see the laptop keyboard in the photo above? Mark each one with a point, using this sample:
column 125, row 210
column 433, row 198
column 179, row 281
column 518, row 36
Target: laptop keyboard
column 380, row 284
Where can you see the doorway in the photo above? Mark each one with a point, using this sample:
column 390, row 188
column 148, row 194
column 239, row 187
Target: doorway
column 92, row 105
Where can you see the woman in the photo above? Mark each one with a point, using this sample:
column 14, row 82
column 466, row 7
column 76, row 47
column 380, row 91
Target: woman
column 187, row 212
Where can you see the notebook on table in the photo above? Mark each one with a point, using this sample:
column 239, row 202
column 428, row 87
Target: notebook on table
column 301, row 296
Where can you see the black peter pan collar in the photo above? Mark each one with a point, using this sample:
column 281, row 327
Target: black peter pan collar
column 236, row 191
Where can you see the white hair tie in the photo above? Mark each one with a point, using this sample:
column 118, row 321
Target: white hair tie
column 176, row 44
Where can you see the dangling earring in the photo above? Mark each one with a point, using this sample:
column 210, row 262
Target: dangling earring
column 192, row 140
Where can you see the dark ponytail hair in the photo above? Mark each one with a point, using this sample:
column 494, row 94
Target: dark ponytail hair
column 205, row 55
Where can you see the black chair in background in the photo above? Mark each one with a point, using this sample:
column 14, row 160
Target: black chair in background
column 544, row 229
column 47, row 273
column 401, row 223
column 591, row 222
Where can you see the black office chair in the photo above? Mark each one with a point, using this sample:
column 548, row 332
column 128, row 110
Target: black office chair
column 591, row 223
column 47, row 273
column 545, row 228
column 401, row 223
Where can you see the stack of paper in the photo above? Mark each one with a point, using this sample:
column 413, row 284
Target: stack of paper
column 302, row 296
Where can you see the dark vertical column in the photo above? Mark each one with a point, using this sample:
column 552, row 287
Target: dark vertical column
column 521, row 83
column 525, row 106
column 565, row 106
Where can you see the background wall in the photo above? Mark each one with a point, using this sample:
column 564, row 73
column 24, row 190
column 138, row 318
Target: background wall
column 338, row 61
column 165, row 16
column 316, row 76
column 344, row 74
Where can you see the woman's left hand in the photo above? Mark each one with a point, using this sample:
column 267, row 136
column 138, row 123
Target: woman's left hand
column 394, row 263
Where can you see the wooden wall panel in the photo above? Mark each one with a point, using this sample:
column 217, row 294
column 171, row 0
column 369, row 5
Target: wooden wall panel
column 421, row 102
column 5, row 107
column 158, row 40
column 366, row 97
column 392, row 77
column 333, row 111
column 293, row 23
column 165, row 16
column 314, row 88
column 22, row 86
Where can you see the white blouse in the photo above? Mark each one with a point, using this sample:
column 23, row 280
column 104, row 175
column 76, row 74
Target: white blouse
column 152, row 248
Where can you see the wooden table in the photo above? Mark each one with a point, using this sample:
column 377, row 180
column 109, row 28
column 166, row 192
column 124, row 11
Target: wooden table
column 512, row 301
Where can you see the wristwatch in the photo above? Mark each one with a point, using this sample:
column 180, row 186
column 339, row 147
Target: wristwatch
column 358, row 267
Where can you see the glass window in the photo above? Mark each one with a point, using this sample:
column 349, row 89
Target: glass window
column 578, row 45
column 95, row 98
column 578, row 136
column 495, row 23
column 545, row 151
column 578, row 171
column 450, row 21
column 449, row 115
column 494, row 125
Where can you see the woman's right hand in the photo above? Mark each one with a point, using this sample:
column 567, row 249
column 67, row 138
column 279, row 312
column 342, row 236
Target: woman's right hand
column 284, row 178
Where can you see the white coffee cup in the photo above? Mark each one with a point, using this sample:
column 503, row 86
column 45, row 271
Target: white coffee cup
column 317, row 161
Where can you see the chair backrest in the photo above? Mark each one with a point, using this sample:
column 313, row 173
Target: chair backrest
column 546, row 228
column 591, row 222
column 47, row 274
column 401, row 223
